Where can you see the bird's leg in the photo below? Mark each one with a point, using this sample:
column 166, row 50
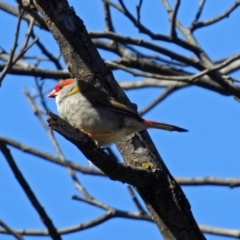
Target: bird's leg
column 99, row 136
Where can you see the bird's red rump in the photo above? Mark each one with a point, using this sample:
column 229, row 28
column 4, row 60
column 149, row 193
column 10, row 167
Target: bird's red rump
column 149, row 123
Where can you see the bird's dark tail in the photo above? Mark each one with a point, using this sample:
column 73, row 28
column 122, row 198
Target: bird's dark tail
column 164, row 126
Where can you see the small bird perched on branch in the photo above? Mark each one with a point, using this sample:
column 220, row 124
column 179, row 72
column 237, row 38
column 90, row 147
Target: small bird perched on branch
column 98, row 115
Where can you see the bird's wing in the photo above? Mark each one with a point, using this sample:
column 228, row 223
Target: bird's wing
column 119, row 107
column 103, row 100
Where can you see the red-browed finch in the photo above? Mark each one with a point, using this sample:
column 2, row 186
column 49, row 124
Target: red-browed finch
column 100, row 116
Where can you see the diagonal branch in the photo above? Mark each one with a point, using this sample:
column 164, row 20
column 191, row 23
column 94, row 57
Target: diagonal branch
column 50, row 158
column 157, row 187
column 139, row 206
column 138, row 8
column 160, row 98
column 216, row 67
column 28, row 191
column 154, row 36
column 220, row 231
column 115, row 170
column 209, row 181
column 108, row 17
column 16, row 58
column 36, row 72
column 199, row 12
column 11, row 231
column 15, row 44
column 173, row 33
column 27, row 16
column 148, row 45
column 196, row 25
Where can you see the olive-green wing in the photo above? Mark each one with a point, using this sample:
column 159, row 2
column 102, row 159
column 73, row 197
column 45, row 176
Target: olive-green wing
column 101, row 99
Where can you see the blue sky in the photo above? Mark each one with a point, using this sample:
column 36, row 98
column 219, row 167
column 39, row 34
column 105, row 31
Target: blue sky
column 210, row 148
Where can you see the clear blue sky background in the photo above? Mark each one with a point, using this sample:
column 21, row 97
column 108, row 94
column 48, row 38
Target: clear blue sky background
column 210, row 148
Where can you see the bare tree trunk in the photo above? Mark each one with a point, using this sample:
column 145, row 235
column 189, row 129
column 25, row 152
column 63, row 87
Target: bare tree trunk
column 163, row 198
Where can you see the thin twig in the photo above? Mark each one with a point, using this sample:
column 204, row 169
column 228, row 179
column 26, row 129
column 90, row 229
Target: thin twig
column 93, row 202
column 208, row 181
column 48, row 54
column 11, row 231
column 17, row 57
column 220, row 231
column 46, row 156
column 216, row 67
column 138, row 8
column 199, row 12
column 211, row 21
column 28, row 34
column 52, row 231
column 201, row 54
column 152, row 57
column 55, row 144
column 147, row 75
column 149, row 82
column 235, row 233
column 108, row 17
column 173, row 33
column 150, row 46
column 24, row 50
column 155, row 36
column 15, row 44
column 136, row 201
column 156, row 101
column 41, row 95
column 88, row 224
column 27, row 16
column 36, row 72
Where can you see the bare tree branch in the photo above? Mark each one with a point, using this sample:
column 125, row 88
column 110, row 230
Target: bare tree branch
column 27, row 16
column 9, row 65
column 108, row 17
column 48, row 54
column 209, row 181
column 220, row 231
column 148, row 45
column 156, row 101
column 37, row 72
column 145, row 30
column 199, row 12
column 196, row 25
column 50, row 158
column 161, row 67
column 29, row 193
column 55, row 144
column 140, row 208
column 115, row 170
column 235, row 233
column 86, row 225
column 216, row 67
column 147, row 75
column 15, row 43
column 11, row 231
column 173, row 33
column 138, row 8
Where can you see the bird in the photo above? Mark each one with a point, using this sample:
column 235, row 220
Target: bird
column 97, row 114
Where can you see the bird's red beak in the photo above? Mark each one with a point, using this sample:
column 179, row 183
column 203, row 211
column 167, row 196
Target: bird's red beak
column 52, row 94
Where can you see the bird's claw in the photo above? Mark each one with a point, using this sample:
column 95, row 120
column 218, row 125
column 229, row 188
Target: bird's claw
column 51, row 122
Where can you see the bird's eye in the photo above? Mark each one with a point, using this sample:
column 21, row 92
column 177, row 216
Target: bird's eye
column 60, row 86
